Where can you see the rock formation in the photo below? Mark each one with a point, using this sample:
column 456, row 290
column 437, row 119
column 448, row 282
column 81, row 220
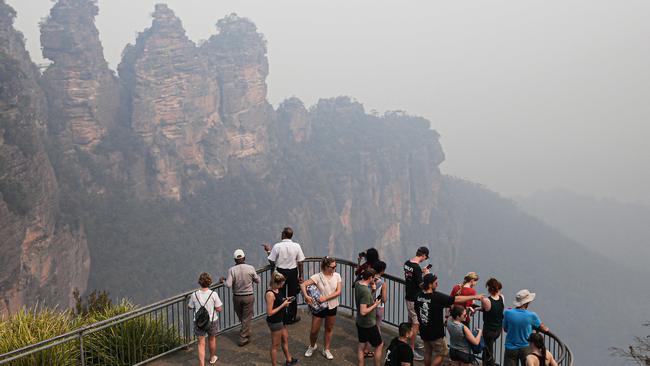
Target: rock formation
column 82, row 91
column 174, row 103
column 42, row 259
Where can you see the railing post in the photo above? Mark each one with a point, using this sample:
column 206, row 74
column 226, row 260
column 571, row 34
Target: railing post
column 81, row 349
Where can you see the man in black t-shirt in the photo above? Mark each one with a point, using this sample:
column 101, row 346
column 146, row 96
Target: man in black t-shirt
column 429, row 307
column 399, row 353
column 413, row 285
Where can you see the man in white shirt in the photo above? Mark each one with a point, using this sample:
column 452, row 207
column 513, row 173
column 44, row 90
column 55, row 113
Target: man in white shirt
column 287, row 257
column 209, row 299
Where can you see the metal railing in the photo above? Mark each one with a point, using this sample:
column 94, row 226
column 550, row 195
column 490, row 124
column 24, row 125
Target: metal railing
column 153, row 331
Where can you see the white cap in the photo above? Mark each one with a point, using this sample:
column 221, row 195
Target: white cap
column 239, row 254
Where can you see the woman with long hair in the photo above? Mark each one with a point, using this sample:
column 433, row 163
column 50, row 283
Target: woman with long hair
column 276, row 307
column 539, row 355
column 328, row 282
column 460, row 338
column 371, row 256
column 493, row 307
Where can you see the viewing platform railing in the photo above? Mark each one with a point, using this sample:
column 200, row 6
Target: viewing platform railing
column 169, row 324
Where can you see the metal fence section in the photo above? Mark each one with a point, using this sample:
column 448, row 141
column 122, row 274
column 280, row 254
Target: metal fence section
column 158, row 329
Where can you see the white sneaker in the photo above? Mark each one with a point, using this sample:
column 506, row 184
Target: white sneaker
column 417, row 356
column 310, row 351
column 213, row 359
column 328, row 355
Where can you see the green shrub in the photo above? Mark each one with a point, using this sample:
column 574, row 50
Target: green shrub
column 125, row 343
column 29, row 326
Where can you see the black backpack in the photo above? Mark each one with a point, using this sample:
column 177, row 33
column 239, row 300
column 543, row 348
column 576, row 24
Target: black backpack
column 202, row 316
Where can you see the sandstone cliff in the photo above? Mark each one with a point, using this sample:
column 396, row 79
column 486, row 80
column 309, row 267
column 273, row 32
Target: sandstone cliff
column 174, row 103
column 42, row 260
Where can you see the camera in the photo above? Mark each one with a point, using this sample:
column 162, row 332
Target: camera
column 429, row 266
column 362, row 254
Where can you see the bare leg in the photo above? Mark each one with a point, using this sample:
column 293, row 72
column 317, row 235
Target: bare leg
column 213, row 345
column 428, row 350
column 437, row 361
column 416, row 328
column 201, row 349
column 329, row 329
column 360, row 349
column 285, row 344
column 315, row 328
column 275, row 342
column 378, row 353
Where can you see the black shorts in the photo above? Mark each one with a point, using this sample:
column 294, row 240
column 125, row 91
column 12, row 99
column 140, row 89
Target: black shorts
column 325, row 313
column 456, row 355
column 370, row 335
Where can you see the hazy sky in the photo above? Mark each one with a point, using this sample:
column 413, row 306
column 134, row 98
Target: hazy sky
column 527, row 95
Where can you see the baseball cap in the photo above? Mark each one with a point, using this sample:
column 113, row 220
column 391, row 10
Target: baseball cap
column 239, row 254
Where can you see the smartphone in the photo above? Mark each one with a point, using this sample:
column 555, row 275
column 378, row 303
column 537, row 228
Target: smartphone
column 429, row 266
column 378, row 297
column 291, row 298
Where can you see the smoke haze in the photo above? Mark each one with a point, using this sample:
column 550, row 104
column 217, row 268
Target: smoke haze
column 527, row 95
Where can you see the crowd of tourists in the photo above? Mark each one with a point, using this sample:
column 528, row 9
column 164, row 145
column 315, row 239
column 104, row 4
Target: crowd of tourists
column 438, row 326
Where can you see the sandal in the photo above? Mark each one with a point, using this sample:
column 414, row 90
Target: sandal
column 369, row 354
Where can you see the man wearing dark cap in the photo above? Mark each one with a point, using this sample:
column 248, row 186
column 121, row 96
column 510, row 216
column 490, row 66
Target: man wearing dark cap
column 413, row 283
column 429, row 307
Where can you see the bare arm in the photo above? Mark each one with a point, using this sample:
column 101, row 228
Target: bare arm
column 462, row 299
column 303, row 289
column 300, row 272
column 384, row 291
column 549, row 356
column 365, row 309
column 270, row 298
column 543, row 327
column 470, row 336
column 486, row 304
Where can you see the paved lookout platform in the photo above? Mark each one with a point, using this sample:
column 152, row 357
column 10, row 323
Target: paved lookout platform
column 344, row 345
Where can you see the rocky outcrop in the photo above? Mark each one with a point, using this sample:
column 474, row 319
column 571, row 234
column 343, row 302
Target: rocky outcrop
column 174, row 103
column 83, row 93
column 237, row 56
column 42, row 259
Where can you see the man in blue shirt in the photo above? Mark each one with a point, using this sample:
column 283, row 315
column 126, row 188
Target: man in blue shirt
column 519, row 324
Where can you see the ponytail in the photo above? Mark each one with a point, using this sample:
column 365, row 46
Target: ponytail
column 538, row 341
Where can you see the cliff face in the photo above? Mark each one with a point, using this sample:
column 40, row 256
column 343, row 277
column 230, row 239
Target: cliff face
column 82, row 92
column 184, row 154
column 42, row 260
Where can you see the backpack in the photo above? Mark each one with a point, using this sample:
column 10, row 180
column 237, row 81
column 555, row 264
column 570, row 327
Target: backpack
column 202, row 316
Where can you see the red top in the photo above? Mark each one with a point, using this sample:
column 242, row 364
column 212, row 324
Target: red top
column 465, row 291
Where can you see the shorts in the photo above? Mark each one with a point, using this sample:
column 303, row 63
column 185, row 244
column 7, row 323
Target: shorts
column 274, row 327
column 413, row 316
column 370, row 335
column 457, row 355
column 438, row 347
column 326, row 312
column 212, row 331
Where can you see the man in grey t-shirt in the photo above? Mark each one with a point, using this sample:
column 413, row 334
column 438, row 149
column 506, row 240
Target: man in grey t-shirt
column 240, row 278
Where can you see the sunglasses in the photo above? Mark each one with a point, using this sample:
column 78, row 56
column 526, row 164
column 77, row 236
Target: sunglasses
column 332, row 267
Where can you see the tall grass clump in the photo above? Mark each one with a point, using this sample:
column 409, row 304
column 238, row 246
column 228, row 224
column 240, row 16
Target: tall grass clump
column 30, row 326
column 131, row 341
column 123, row 343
